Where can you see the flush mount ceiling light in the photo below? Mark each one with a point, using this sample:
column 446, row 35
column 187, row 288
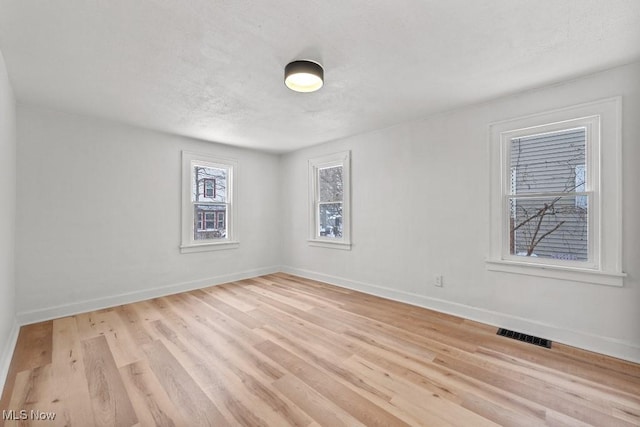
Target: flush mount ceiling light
column 304, row 76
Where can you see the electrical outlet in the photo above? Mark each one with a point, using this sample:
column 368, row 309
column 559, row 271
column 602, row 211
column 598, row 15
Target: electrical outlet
column 439, row 281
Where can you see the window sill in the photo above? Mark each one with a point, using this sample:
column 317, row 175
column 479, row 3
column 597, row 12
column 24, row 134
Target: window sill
column 330, row 244
column 205, row 247
column 558, row 272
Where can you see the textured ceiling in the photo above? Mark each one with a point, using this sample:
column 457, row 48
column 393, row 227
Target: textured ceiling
column 213, row 69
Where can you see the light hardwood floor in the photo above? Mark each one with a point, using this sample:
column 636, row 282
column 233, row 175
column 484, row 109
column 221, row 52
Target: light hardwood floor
column 280, row 350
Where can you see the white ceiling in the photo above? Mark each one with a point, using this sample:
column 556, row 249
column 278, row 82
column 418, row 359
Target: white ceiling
column 213, row 69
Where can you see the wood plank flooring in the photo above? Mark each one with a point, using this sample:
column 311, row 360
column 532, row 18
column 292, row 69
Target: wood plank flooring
column 279, row 350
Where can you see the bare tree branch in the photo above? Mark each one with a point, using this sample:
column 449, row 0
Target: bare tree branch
column 547, row 233
column 540, row 212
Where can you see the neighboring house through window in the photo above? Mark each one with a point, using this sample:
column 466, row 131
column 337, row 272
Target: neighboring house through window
column 207, row 203
column 546, row 218
column 555, row 199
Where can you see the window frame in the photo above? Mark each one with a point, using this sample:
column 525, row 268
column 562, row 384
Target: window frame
column 213, row 188
column 341, row 159
column 212, row 220
column 218, row 221
column 188, row 224
column 203, row 220
column 603, row 186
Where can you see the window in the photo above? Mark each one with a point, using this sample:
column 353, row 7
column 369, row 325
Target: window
column 556, row 199
column 206, row 221
column 329, row 194
column 209, row 188
column 581, row 201
column 220, row 221
column 207, row 203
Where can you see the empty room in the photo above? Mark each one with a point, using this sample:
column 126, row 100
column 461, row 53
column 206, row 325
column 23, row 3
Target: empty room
column 320, row 213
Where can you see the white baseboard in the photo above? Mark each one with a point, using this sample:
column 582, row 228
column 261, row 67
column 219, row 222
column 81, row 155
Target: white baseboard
column 7, row 354
column 40, row 315
column 596, row 343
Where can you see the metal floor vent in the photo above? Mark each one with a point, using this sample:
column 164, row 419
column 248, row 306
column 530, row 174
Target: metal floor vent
column 525, row 338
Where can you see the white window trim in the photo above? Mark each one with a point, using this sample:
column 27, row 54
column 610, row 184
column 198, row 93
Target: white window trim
column 605, row 186
column 338, row 159
column 188, row 244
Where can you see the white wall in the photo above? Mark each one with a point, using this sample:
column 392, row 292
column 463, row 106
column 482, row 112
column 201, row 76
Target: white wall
column 420, row 194
column 8, row 327
column 99, row 215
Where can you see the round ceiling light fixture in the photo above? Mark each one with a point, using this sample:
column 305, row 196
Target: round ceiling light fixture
column 303, row 76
